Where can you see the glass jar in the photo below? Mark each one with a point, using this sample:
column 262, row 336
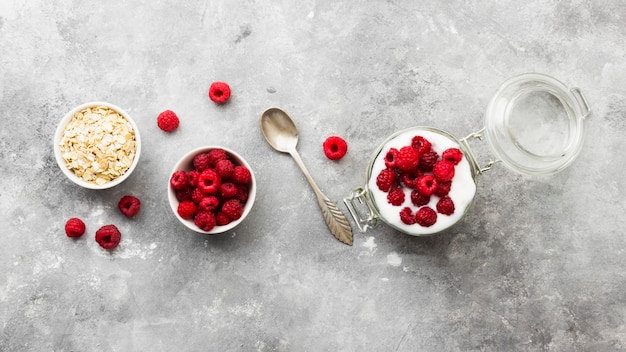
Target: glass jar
column 533, row 124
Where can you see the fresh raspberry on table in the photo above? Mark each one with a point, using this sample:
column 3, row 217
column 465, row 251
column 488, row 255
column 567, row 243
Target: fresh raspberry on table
column 419, row 199
column 178, row 180
column 443, row 188
column 108, row 236
column 74, row 227
column 168, row 121
column 409, row 178
column 209, row 181
column 209, row 203
column 129, row 205
column 219, row 92
column 406, row 216
column 215, row 155
column 228, row 190
column 445, row 206
column 335, row 147
column 408, row 159
column 224, row 168
column 443, row 171
column 233, row 208
column 395, row 196
column 201, row 162
column 426, row 216
column 427, row 161
column 390, row 157
column 186, row 209
column 205, row 220
column 241, row 175
column 385, row 179
column 453, row 155
column 421, row 144
column 426, row 185
column 183, row 194
column 222, row 219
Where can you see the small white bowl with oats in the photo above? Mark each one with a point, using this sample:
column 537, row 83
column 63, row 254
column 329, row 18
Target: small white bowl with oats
column 97, row 145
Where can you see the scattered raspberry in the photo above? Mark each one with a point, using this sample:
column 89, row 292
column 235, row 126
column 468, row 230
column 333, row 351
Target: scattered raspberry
column 228, row 190
column 445, row 206
column 129, row 205
column 209, row 203
column 419, row 199
column 385, row 179
column 427, row 161
column 219, row 92
column 224, row 168
column 406, row 216
column 335, row 147
column 452, row 155
column 108, row 236
column 426, row 216
column 408, row 159
column 215, row 155
column 443, row 188
column 443, row 171
column 209, row 181
column 74, row 227
column 232, row 208
column 409, row 179
column 192, row 178
column 390, row 157
column 426, row 185
column 395, row 196
column 186, row 209
column 183, row 194
column 241, row 175
column 205, row 221
column 201, row 162
column 168, row 121
column 178, row 180
column 421, row 144
column 222, row 219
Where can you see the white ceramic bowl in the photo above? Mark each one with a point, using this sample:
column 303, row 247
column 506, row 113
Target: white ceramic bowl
column 58, row 135
column 186, row 164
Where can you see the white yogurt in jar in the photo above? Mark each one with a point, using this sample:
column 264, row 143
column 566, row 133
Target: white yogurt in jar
column 462, row 191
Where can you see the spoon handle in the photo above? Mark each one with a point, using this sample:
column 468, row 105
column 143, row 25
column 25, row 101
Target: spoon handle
column 337, row 222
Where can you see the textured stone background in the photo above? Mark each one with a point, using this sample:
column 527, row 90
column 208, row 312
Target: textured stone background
column 536, row 265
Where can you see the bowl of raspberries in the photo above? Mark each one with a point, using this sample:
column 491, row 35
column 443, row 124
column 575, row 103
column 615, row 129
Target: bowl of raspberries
column 211, row 189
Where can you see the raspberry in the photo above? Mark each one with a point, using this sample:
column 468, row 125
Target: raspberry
column 426, row 216
column 426, row 185
column 408, row 159
column 222, row 219
column 395, row 196
column 443, row 188
column 390, row 158
column 452, row 155
column 129, row 205
column 232, row 208
column 168, row 121
column 209, row 181
column 219, row 92
column 215, row 155
column 197, row 195
column 192, row 178
column 419, row 199
column 209, row 203
column 108, row 236
column 243, row 193
column 205, row 220
column 409, row 178
column 445, row 206
column 224, row 168
column 74, row 227
column 183, row 194
column 385, row 179
column 335, row 147
column 228, row 190
column 421, row 144
column 406, row 216
column 443, row 170
column 186, row 209
column 241, row 175
column 201, row 162
column 178, row 180
column 427, row 161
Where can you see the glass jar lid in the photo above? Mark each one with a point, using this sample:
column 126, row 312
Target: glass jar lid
column 534, row 124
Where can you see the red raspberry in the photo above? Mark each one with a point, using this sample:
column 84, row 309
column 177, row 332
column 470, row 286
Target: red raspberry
column 390, row 158
column 228, row 190
column 74, row 227
column 183, row 194
column 409, row 178
column 335, row 147
column 186, row 209
column 192, row 178
column 241, row 175
column 443, row 171
column 215, row 155
column 406, row 216
column 395, row 196
column 243, row 192
column 428, row 160
column 209, row 181
column 222, row 219
column 421, row 144
column 408, row 159
column 385, row 179
column 426, row 216
column 219, row 92
column 233, row 208
column 205, row 220
column 209, row 203
column 419, row 199
column 197, row 195
column 178, row 180
column 443, row 188
column 426, row 185
column 452, row 155
column 129, row 205
column 108, row 236
column 224, row 168
column 168, row 121
column 445, row 206
column 201, row 162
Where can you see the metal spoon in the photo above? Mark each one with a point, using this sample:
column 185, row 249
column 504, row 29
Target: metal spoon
column 282, row 134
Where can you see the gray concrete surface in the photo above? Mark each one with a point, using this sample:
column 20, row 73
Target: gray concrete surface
column 536, row 265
